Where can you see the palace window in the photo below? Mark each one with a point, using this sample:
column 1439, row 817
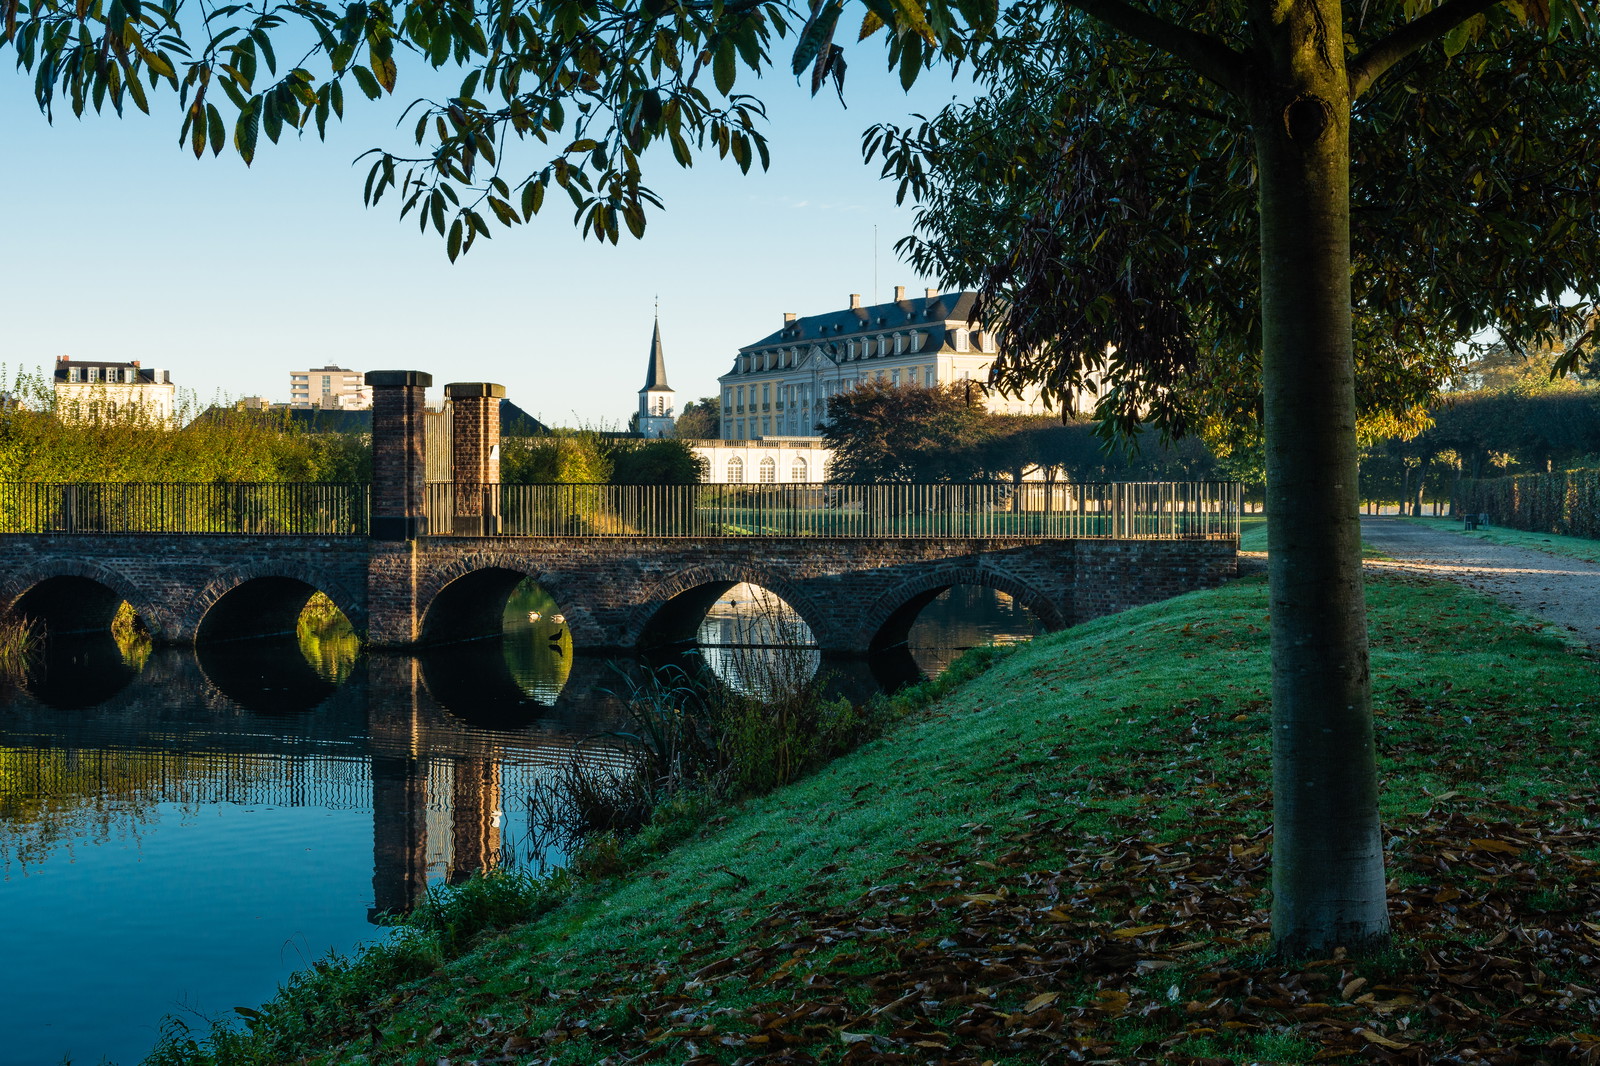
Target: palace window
column 797, row 469
column 735, row 470
column 960, row 341
column 769, row 471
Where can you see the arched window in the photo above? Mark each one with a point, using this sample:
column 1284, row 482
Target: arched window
column 769, row 471
column 797, row 469
column 735, row 470
column 899, row 344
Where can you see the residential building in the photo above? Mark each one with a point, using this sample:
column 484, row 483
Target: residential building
column 331, row 388
column 779, row 386
column 93, row 390
column 655, row 415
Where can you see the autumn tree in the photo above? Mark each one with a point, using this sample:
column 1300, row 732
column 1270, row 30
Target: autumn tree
column 918, row 434
column 1470, row 117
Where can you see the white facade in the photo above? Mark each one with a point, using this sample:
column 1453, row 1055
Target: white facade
column 330, row 387
column 764, row 462
column 780, row 385
column 89, row 390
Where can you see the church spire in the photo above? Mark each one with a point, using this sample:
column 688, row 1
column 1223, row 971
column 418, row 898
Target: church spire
column 656, row 376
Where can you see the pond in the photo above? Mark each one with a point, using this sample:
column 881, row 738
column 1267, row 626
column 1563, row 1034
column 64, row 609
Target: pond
column 180, row 830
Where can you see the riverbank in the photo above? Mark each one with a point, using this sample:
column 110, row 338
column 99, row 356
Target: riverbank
column 1063, row 856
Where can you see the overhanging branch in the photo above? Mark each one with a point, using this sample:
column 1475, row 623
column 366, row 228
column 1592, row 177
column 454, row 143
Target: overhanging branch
column 1208, row 56
column 1371, row 64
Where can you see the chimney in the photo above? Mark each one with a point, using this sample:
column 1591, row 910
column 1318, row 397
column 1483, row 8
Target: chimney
column 930, row 293
column 899, row 293
column 855, row 300
column 788, row 316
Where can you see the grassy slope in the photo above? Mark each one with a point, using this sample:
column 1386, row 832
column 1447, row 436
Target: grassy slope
column 1084, row 821
column 1573, row 547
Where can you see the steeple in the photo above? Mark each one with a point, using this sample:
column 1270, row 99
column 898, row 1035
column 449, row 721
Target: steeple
column 656, row 376
column 656, row 415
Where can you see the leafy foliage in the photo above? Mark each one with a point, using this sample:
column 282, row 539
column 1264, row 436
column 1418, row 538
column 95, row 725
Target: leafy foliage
column 1125, row 206
column 700, row 419
column 579, row 91
column 590, row 456
column 914, row 433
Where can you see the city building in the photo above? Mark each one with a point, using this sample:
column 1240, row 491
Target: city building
column 779, row 386
column 92, row 390
column 655, row 415
column 331, row 388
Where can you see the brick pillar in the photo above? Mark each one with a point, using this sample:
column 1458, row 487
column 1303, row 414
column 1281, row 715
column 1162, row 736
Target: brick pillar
column 399, row 786
column 398, row 506
column 475, row 456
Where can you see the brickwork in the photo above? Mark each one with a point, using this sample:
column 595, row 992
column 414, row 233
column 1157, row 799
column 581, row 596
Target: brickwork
column 854, row 594
column 398, row 456
column 475, row 454
column 173, row 581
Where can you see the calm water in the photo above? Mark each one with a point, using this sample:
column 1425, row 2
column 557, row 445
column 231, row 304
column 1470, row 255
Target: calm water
column 179, row 831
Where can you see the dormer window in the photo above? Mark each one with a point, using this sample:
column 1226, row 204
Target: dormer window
column 959, row 340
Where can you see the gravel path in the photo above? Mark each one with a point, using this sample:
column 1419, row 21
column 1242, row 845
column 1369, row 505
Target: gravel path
column 1560, row 590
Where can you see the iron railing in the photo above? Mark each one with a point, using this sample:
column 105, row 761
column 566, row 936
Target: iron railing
column 1062, row 511
column 284, row 508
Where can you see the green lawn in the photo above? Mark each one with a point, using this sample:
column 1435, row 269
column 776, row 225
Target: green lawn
column 1063, row 858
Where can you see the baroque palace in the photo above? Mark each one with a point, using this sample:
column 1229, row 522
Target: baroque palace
column 780, row 385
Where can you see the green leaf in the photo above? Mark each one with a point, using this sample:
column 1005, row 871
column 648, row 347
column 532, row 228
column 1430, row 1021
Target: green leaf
column 532, row 199
column 1456, row 39
column 910, row 60
column 271, row 120
column 197, row 128
column 722, row 66
column 219, row 132
column 453, row 246
column 816, row 35
column 871, row 23
column 368, row 83
column 245, row 129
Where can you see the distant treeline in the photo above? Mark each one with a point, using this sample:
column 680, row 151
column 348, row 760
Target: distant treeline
column 589, row 456
column 230, row 445
column 1487, row 434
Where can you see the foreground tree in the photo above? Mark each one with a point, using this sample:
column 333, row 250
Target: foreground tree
column 1275, row 84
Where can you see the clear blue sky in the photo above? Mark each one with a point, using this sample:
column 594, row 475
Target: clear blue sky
column 120, row 245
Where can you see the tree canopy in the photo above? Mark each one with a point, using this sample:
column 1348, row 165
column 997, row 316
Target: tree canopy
column 916, row 434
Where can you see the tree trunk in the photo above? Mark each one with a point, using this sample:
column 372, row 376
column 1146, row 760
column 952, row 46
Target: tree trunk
column 1328, row 879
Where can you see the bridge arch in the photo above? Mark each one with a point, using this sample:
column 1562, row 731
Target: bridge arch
column 887, row 623
column 465, row 599
column 263, row 601
column 79, row 596
column 671, row 612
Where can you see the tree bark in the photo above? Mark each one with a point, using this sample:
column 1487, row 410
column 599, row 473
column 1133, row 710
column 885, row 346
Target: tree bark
column 1328, row 878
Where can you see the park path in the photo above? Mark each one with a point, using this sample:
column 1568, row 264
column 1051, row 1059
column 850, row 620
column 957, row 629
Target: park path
column 1562, row 591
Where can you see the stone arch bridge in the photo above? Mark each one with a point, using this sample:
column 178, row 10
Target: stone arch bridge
column 855, row 594
column 418, row 558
